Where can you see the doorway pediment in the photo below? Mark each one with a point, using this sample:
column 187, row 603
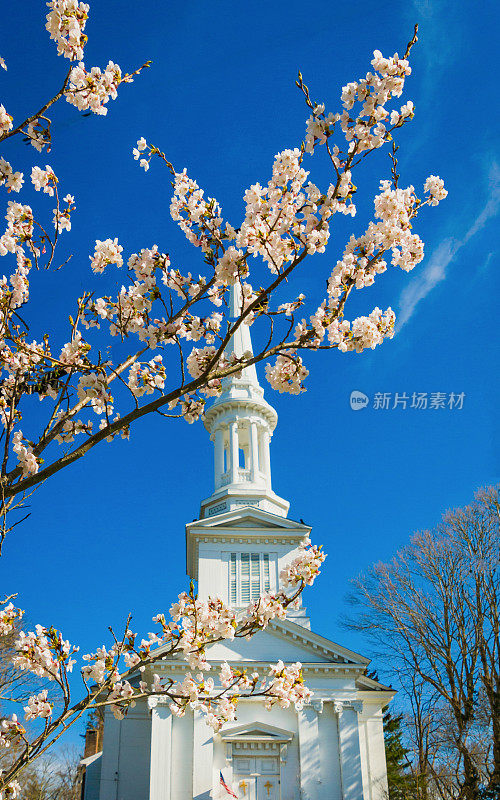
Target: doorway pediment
column 256, row 732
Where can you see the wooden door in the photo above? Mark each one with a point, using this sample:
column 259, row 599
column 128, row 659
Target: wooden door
column 268, row 787
column 256, row 778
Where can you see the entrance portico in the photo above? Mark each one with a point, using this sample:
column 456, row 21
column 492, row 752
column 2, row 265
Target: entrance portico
column 255, row 754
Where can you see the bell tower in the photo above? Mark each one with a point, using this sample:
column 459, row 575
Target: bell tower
column 241, row 423
column 243, row 537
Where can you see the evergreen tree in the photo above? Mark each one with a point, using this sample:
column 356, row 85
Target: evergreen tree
column 401, row 782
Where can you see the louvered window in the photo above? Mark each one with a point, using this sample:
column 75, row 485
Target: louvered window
column 232, row 579
column 249, row 577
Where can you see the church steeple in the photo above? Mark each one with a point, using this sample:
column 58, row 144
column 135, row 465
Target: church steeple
column 240, row 423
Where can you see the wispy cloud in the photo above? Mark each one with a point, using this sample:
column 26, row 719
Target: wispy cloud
column 443, row 255
column 437, row 39
column 441, row 33
column 484, row 266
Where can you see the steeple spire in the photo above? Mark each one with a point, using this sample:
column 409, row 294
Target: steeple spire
column 240, row 343
column 241, row 423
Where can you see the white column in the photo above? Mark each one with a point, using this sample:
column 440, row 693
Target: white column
column 310, row 761
column 350, row 756
column 218, row 457
column 234, row 451
column 161, row 750
column 266, row 467
column 254, row 452
column 377, row 770
column 202, row 758
column 182, row 757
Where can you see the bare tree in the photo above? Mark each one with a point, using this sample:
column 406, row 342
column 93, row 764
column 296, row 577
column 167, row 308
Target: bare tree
column 432, row 613
column 53, row 777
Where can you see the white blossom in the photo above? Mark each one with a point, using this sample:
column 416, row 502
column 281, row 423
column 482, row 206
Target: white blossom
column 5, row 120
column 66, row 22
column 12, row 180
column 106, row 252
column 38, row 706
column 26, row 457
column 44, row 179
column 435, row 186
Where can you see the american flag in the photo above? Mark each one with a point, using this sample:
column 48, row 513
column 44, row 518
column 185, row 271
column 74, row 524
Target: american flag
column 226, row 787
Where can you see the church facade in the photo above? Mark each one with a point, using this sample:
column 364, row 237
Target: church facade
column 332, row 749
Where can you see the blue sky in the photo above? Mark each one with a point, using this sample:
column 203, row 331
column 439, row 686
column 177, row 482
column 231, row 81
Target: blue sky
column 107, row 536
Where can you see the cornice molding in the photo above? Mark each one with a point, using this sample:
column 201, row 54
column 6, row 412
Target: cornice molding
column 309, row 668
column 241, row 538
column 317, row 704
column 246, row 406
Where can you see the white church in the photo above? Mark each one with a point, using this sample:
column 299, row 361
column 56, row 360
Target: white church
column 333, row 749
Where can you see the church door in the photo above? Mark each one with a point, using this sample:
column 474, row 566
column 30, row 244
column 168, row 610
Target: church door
column 257, row 778
column 268, row 787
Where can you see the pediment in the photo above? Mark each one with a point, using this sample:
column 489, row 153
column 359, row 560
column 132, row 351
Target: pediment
column 255, row 732
column 248, row 517
column 281, row 639
column 248, row 522
column 290, row 642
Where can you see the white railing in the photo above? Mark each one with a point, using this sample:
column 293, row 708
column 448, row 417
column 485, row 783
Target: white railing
column 243, row 476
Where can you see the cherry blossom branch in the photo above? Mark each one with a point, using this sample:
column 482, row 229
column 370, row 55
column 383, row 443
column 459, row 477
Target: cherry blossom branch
column 19, row 128
column 194, row 625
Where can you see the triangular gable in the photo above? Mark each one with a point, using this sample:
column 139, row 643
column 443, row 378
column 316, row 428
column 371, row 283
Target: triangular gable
column 286, row 640
column 250, row 522
column 255, row 732
column 248, row 516
column 341, row 653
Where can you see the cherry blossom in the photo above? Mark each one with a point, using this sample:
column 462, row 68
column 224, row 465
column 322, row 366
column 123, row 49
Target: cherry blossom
column 305, row 567
column 92, row 89
column 19, row 229
column 106, row 252
column 94, row 388
column 66, row 22
column 287, row 686
column 122, row 694
column 25, row 455
column 145, row 378
column 5, row 120
column 138, row 151
column 435, row 187
column 287, row 373
column 198, row 359
column 141, row 145
column 193, row 625
column 8, row 617
column 38, row 706
column 10, row 731
column 44, row 179
column 13, row 180
column 44, row 652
